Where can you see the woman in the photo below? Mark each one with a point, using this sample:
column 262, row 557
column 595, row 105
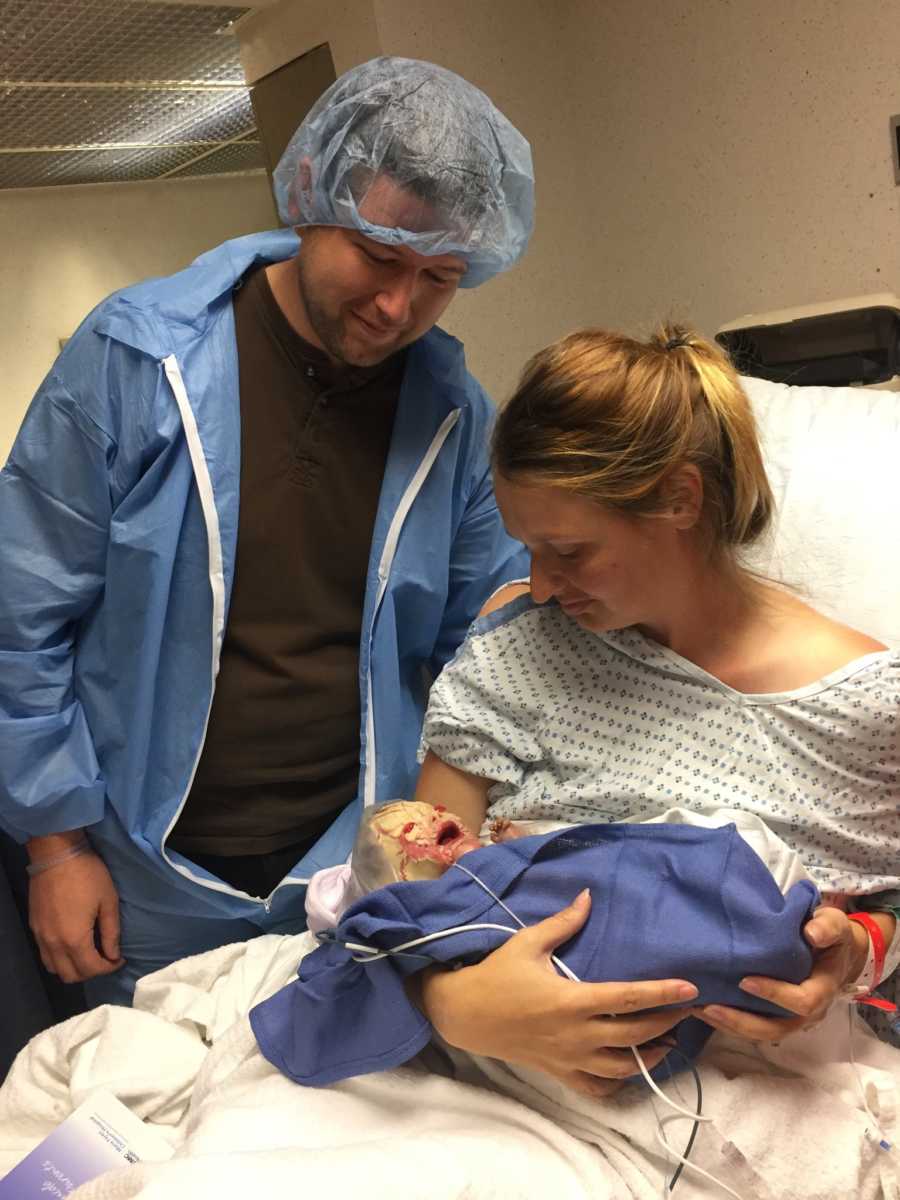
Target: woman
column 648, row 669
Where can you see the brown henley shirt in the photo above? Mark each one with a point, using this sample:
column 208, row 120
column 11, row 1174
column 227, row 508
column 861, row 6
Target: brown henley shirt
column 281, row 755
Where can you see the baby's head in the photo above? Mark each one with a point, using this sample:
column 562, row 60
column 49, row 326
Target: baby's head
column 402, row 840
column 408, row 840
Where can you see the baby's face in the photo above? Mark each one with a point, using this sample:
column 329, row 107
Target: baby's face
column 420, row 841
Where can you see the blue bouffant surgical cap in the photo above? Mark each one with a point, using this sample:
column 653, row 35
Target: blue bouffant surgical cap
column 418, row 148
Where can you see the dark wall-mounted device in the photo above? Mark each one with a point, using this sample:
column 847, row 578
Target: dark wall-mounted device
column 844, row 342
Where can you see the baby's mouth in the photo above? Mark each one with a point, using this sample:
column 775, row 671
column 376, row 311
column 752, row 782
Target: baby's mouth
column 448, row 831
column 453, row 840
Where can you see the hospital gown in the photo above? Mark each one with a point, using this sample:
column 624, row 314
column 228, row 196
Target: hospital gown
column 585, row 727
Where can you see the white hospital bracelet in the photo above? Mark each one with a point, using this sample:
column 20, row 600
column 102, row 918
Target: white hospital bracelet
column 892, row 954
column 865, row 980
column 44, row 864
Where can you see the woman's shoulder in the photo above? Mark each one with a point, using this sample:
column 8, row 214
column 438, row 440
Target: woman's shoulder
column 808, row 646
column 511, row 613
column 832, row 645
column 512, row 623
column 505, row 595
column 506, row 618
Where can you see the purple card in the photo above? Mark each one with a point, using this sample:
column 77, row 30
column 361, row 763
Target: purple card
column 100, row 1135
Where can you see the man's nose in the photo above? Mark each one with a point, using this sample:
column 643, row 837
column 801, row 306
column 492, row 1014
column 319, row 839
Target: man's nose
column 393, row 300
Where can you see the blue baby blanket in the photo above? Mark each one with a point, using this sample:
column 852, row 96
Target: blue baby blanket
column 668, row 901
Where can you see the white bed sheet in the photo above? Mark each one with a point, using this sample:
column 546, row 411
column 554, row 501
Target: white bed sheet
column 833, row 456
column 788, row 1125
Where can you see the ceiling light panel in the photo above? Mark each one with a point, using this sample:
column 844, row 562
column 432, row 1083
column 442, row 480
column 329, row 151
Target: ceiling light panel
column 240, row 156
column 117, row 39
column 64, row 117
column 105, row 90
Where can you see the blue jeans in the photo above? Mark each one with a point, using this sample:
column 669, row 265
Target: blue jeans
column 151, row 940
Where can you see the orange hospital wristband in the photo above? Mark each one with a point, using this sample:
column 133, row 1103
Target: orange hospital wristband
column 876, row 939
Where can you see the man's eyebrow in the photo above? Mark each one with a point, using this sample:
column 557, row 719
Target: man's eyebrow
column 372, row 244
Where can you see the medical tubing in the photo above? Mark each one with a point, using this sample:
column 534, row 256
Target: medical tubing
column 373, row 954
column 684, row 1112
column 699, row 1102
column 884, row 1141
column 557, row 962
column 685, row 1162
column 570, row 974
column 696, row 1116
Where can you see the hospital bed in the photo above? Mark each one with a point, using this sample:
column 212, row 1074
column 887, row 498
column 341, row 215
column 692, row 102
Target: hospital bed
column 185, row 1060
column 832, row 452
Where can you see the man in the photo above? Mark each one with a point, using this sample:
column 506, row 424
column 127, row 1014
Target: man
column 248, row 513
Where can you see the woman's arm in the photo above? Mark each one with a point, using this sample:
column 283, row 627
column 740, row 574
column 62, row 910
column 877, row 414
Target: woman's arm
column 439, row 783
column 514, row 1005
column 463, row 794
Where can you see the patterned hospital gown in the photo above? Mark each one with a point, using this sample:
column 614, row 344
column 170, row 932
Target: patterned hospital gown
column 585, row 727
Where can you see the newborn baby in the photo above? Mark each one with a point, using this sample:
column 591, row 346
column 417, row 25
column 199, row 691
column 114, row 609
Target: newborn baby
column 685, row 897
column 408, row 840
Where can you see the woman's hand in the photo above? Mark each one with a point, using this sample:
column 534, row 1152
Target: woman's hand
column 515, row 1006
column 841, row 947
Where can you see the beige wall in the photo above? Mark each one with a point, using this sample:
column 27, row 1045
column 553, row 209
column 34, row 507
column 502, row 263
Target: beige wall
column 699, row 158
column 65, row 248
column 279, row 34
column 738, row 157
column 694, row 157
column 520, row 53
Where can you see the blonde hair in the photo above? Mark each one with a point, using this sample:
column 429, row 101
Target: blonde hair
column 613, row 418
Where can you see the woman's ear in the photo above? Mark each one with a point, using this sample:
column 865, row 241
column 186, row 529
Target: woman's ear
column 682, row 497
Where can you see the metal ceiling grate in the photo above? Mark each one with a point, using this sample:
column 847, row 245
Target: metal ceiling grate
column 107, row 90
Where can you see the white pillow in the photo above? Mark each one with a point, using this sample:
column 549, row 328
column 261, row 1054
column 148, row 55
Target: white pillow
column 833, row 457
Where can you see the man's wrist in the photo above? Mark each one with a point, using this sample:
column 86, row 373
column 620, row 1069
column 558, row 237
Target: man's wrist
column 52, row 844
column 39, row 866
